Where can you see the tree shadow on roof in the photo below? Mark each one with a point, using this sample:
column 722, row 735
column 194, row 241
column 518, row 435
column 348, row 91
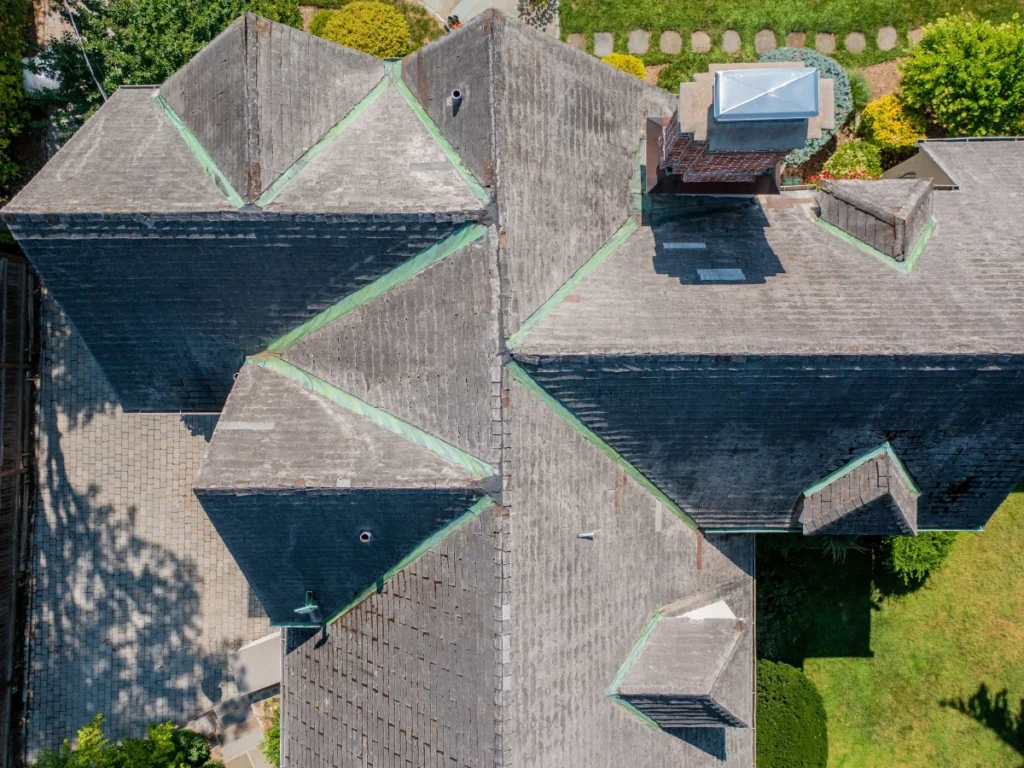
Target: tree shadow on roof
column 995, row 712
column 712, row 240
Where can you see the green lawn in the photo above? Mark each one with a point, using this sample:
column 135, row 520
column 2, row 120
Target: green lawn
column 750, row 16
column 933, row 677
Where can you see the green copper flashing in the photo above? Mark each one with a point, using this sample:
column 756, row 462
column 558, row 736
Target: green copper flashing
column 621, row 235
column 631, row 657
column 905, row 266
column 864, row 458
column 200, row 153
column 477, row 468
column 520, row 375
column 394, row 68
column 307, row 157
column 432, row 255
column 426, row 545
column 709, row 531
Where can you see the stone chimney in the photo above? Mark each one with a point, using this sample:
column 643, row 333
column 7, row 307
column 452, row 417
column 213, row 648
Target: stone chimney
column 736, row 122
column 890, row 215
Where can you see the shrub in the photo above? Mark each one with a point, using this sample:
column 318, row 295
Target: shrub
column 318, row 23
column 827, row 68
column 968, row 76
column 423, row 25
column 860, row 90
column 371, row 27
column 886, row 124
column 631, row 65
column 854, row 160
column 791, row 721
column 271, row 744
column 912, row 558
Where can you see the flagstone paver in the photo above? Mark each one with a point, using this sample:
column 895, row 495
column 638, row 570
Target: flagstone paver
column 604, row 44
column 700, row 42
column 765, row 41
column 855, row 42
column 825, row 42
column 914, row 36
column 135, row 600
column 731, row 42
column 576, row 40
column 796, row 39
column 887, row 38
column 670, row 42
column 639, row 41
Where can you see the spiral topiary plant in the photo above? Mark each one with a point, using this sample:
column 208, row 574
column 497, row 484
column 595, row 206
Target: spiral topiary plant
column 371, row 27
column 631, row 65
column 827, row 68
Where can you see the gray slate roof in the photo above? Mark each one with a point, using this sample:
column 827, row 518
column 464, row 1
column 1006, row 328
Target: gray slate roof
column 804, row 291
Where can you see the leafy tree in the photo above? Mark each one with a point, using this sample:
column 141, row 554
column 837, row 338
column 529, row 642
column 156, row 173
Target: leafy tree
column 14, row 20
column 138, row 42
column 967, row 75
column 165, row 746
column 792, row 729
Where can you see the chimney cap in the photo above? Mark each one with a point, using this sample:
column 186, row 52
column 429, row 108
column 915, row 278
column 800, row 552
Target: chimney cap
column 769, row 93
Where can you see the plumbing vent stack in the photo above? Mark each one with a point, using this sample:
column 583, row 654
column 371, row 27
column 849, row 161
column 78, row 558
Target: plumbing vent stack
column 889, row 215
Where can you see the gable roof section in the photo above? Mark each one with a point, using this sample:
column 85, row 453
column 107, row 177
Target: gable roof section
column 261, row 94
column 147, row 168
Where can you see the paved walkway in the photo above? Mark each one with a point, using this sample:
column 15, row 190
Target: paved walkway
column 136, row 601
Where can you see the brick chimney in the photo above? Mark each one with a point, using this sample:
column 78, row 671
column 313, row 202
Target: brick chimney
column 736, row 122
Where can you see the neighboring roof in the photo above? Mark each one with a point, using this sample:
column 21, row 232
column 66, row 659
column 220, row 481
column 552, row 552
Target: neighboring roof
column 716, row 276
column 127, row 158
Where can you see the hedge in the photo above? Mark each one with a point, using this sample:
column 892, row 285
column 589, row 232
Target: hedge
column 829, row 69
column 792, row 727
column 371, row 27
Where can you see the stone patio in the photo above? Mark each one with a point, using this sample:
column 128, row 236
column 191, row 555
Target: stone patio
column 136, row 602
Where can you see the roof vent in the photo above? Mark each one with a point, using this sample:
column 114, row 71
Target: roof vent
column 893, row 217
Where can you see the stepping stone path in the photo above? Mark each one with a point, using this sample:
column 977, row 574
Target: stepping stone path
column 764, row 41
column 825, row 42
column 731, row 42
column 670, row 42
column 887, row 38
column 700, row 42
column 604, row 44
column 914, row 36
column 639, row 41
column 578, row 41
column 855, row 42
column 796, row 40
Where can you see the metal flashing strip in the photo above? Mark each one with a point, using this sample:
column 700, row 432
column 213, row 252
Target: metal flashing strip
column 710, row 531
column 864, row 458
column 394, row 68
column 520, row 375
column 404, row 271
column 611, row 245
column 293, row 625
column 200, row 153
column 904, row 266
column 424, row 546
column 634, row 653
column 307, row 157
column 477, row 468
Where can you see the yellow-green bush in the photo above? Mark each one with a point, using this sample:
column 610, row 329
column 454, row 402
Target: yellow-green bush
column 371, row 27
column 886, row 123
column 318, row 23
column 631, row 65
column 854, row 160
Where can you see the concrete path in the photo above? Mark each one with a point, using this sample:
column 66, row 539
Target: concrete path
column 136, row 602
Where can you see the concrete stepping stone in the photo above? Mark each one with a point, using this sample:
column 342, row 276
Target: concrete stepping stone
column 764, row 41
column 825, row 42
column 700, row 42
column 670, row 42
column 796, row 39
column 604, row 44
column 855, row 42
column 639, row 41
column 914, row 36
column 731, row 42
column 887, row 38
column 578, row 41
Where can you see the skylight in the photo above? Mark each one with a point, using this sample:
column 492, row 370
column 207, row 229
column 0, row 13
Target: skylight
column 783, row 93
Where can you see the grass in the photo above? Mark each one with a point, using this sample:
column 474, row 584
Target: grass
column 750, row 16
column 929, row 677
